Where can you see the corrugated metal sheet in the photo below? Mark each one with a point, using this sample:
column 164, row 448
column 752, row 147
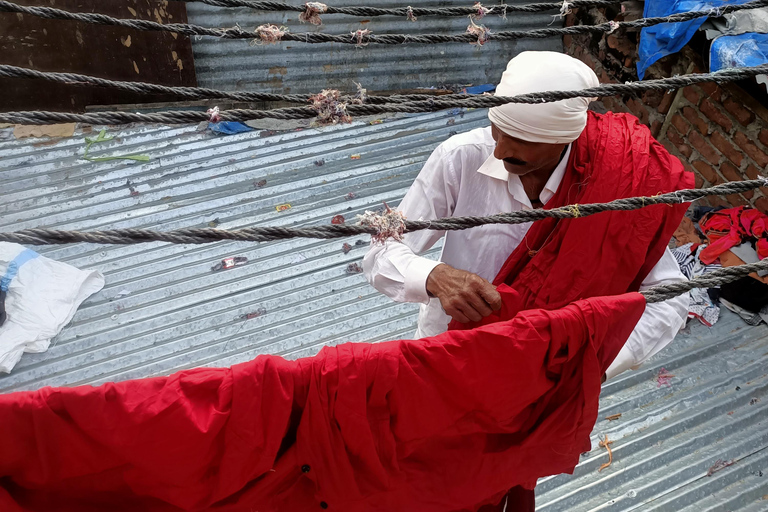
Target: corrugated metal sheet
column 163, row 309
column 669, row 436
column 303, row 68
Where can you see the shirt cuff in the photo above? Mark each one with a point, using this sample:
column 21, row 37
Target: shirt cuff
column 415, row 277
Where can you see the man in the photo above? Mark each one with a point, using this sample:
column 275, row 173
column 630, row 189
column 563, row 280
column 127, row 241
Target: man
column 535, row 156
column 517, row 163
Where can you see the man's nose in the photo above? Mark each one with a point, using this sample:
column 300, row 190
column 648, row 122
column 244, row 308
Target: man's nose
column 503, row 149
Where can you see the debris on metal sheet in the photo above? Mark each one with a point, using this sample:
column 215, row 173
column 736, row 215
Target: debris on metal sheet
column 409, row 14
column 376, row 121
column 51, row 130
column 254, row 314
column 359, row 35
column 664, row 378
column 606, row 443
column 738, row 388
column 229, row 127
column 482, row 33
column 730, row 413
column 720, row 464
column 131, row 188
column 565, row 10
column 214, row 115
column 228, row 263
column 354, row 268
column 389, row 224
column 481, row 11
column 268, row 133
column 355, row 157
column 260, row 183
column 613, row 417
column 337, row 219
column 477, row 89
column 214, row 223
column 361, row 96
column 283, row 207
column 452, row 133
column 269, row 34
column 450, row 122
column 361, row 243
column 754, row 401
column 120, row 294
column 312, row 13
column 346, row 248
column 320, row 163
column 350, row 196
column 103, row 137
column 329, row 107
column 297, row 258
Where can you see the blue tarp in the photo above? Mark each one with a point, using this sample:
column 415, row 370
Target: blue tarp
column 667, row 38
column 743, row 50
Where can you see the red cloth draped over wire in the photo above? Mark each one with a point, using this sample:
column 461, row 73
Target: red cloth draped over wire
column 445, row 423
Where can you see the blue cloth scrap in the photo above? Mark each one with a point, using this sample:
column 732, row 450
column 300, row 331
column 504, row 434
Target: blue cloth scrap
column 741, row 51
column 14, row 266
column 667, row 38
column 480, row 89
column 229, row 127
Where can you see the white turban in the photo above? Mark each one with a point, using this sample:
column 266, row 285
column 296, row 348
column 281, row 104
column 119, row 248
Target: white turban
column 559, row 122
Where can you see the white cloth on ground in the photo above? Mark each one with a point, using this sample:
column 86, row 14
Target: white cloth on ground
column 460, row 178
column 43, row 296
column 558, row 122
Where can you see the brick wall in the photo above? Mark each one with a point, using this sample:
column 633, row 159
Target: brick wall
column 720, row 133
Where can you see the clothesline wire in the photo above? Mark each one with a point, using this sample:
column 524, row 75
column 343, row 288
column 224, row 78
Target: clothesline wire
column 363, row 37
column 404, row 101
column 430, row 104
column 41, row 236
column 712, row 279
column 496, row 9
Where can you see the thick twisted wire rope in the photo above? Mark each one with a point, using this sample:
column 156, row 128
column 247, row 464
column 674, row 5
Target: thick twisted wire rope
column 363, row 39
column 440, row 102
column 268, row 233
column 712, row 279
column 498, row 9
column 431, row 104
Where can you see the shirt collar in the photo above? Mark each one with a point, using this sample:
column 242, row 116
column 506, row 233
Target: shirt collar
column 495, row 169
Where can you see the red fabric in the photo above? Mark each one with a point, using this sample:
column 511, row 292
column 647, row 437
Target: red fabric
column 444, row 423
column 728, row 228
column 611, row 252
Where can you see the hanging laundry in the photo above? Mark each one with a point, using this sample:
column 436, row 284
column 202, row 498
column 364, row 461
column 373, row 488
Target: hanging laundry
column 701, row 304
column 42, row 296
column 359, row 427
column 728, row 228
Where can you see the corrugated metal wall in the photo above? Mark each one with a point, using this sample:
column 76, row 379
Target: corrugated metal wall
column 302, row 68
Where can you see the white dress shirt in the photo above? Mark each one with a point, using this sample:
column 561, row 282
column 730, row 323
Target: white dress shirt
column 463, row 178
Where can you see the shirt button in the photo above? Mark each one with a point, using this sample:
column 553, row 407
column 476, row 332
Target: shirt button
column 305, row 468
column 323, row 505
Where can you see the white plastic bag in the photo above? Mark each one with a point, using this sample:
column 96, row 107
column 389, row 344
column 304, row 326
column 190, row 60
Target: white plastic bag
column 42, row 297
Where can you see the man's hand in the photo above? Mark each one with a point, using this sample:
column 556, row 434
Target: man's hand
column 466, row 297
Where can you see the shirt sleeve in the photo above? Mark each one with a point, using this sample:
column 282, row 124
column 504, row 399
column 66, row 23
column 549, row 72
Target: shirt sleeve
column 659, row 324
column 396, row 269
